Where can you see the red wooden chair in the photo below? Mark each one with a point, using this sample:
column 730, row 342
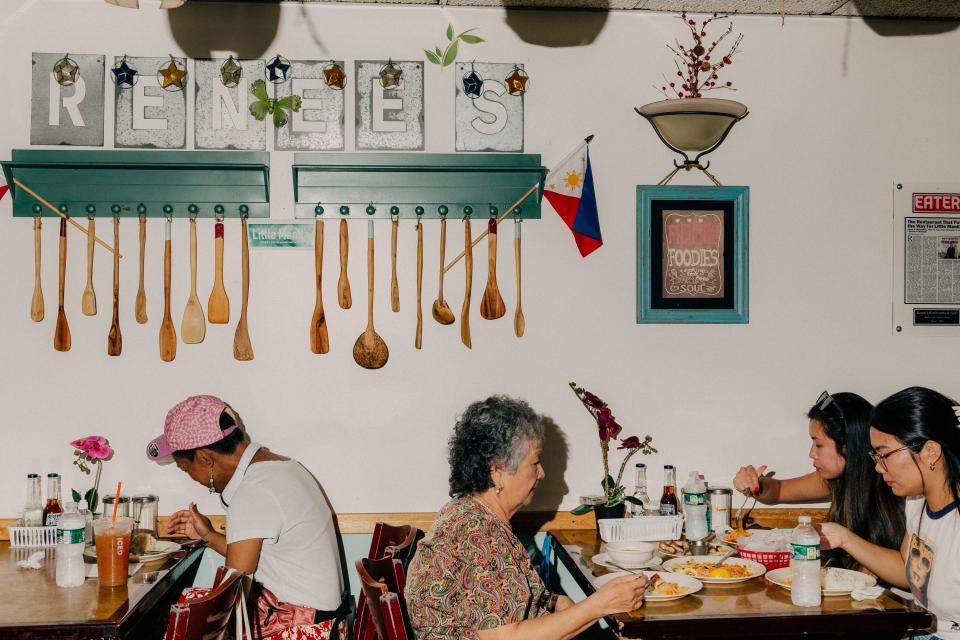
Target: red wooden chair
column 398, row 542
column 206, row 618
column 382, row 582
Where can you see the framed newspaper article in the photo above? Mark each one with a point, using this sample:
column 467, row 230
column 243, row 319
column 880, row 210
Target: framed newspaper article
column 692, row 254
column 926, row 258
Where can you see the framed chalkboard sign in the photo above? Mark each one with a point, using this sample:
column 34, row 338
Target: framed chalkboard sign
column 692, row 254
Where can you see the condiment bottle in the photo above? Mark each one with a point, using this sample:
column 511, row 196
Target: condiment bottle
column 32, row 515
column 639, row 492
column 51, row 512
column 668, row 501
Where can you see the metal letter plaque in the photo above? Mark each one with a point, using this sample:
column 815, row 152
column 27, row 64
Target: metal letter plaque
column 494, row 120
column 222, row 118
column 69, row 115
column 146, row 116
column 318, row 126
column 389, row 118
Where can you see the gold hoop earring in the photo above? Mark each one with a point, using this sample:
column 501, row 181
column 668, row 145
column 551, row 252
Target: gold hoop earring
column 213, row 489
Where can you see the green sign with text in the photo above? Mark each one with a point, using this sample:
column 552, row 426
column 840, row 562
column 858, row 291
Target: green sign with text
column 280, row 235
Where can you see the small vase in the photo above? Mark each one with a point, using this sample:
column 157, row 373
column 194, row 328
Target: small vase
column 605, row 512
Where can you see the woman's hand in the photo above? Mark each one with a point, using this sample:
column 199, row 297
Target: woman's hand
column 747, row 480
column 190, row 523
column 832, row 535
column 620, row 595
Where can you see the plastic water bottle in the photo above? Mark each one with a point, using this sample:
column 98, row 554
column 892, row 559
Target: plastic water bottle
column 695, row 508
column 88, row 522
column 805, row 564
column 70, row 533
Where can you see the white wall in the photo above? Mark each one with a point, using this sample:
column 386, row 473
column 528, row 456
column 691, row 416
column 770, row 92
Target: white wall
column 837, row 114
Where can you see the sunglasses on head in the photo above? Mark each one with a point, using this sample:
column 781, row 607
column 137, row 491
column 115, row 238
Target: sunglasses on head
column 826, row 400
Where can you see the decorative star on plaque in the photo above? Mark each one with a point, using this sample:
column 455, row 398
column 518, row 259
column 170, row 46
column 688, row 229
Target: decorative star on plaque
column 124, row 76
column 334, row 76
column 473, row 84
column 65, row 71
column 278, row 69
column 231, row 72
column 172, row 77
column 517, row 81
column 390, row 75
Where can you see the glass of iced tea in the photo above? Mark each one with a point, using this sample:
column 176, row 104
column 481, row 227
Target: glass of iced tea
column 113, row 549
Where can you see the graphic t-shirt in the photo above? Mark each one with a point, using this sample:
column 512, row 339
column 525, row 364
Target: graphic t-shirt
column 933, row 563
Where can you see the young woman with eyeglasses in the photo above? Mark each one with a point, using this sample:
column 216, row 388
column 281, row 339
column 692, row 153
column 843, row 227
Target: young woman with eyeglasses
column 843, row 475
column 915, row 439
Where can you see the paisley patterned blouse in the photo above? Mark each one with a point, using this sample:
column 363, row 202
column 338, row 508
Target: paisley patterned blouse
column 470, row 573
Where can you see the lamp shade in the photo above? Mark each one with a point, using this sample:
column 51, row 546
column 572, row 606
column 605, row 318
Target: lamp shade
column 693, row 125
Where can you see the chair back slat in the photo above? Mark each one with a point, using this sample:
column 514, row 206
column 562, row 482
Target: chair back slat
column 207, row 618
column 382, row 582
column 389, row 541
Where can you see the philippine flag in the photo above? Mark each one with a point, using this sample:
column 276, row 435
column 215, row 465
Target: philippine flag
column 3, row 190
column 569, row 189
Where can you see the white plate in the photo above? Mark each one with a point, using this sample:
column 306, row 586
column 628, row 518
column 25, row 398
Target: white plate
column 603, row 559
column 720, row 549
column 166, row 548
column 691, row 585
column 755, row 568
column 781, row 578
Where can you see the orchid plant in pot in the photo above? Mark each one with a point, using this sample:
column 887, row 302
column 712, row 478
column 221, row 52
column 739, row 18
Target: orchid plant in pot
column 611, row 502
column 89, row 453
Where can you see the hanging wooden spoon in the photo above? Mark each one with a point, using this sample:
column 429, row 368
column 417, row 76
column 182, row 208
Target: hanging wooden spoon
column 418, row 341
column 114, row 338
column 192, row 325
column 491, row 305
column 441, row 310
column 519, row 324
column 88, row 303
column 370, row 351
column 394, row 286
column 140, row 306
column 61, row 334
column 168, row 334
column 319, row 341
column 218, row 305
column 36, row 304
column 343, row 285
column 468, row 261
column 242, row 349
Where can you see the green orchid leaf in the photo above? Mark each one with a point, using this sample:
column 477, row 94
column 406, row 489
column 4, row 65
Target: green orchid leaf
column 432, row 57
column 451, row 53
column 471, row 39
column 76, row 495
column 607, row 484
column 91, row 496
column 259, row 90
column 450, row 32
column 633, row 500
column 581, row 509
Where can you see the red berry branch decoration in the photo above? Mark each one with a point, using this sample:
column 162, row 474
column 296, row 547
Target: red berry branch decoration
column 697, row 72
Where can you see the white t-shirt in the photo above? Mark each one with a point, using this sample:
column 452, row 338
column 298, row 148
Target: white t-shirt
column 283, row 504
column 940, row 533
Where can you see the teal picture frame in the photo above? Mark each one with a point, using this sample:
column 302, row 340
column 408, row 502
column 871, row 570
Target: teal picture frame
column 734, row 307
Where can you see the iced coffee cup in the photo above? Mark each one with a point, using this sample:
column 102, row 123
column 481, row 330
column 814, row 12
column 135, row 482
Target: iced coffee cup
column 113, row 549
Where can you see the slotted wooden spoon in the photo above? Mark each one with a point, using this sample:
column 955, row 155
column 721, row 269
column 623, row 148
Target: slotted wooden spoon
column 218, row 305
column 192, row 325
column 468, row 288
column 88, row 303
column 242, row 349
column 370, row 351
column 491, row 305
column 418, row 340
column 441, row 310
column 343, row 285
column 168, row 333
column 140, row 305
column 319, row 341
column 519, row 323
column 61, row 334
column 394, row 286
column 114, row 337
column 36, row 304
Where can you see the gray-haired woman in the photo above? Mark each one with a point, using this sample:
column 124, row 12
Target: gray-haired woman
column 471, row 577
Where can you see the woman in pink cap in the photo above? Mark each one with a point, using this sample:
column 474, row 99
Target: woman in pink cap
column 279, row 526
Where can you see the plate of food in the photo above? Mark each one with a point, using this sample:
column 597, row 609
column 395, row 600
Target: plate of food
column 144, row 547
column 834, row 581
column 674, row 548
column 703, row 569
column 669, row 586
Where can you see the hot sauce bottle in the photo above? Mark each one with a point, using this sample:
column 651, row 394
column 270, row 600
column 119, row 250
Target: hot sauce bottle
column 668, row 501
column 52, row 511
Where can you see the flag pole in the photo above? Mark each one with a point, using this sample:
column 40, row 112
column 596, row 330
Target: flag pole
column 44, row 202
column 509, row 209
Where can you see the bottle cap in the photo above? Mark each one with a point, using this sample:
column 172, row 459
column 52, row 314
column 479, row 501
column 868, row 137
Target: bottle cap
column 32, row 475
column 640, row 465
column 69, row 506
column 83, row 506
column 804, row 520
column 668, row 466
column 53, row 475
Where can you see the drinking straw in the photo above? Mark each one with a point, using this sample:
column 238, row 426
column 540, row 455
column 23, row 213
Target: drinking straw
column 116, row 503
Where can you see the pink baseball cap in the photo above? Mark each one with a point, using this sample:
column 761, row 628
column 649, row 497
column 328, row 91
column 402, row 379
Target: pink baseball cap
column 193, row 423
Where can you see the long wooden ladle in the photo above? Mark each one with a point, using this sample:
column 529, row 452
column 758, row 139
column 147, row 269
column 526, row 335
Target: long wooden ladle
column 242, row 349
column 88, row 303
column 519, row 323
column 468, row 287
column 218, row 305
column 343, row 285
column 192, row 326
column 114, row 337
column 319, row 341
column 61, row 334
column 394, row 286
column 441, row 310
column 418, row 340
column 491, row 305
column 36, row 304
column 140, row 305
column 370, row 351
column 168, row 333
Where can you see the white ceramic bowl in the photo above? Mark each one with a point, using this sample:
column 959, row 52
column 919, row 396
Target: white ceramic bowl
column 631, row 552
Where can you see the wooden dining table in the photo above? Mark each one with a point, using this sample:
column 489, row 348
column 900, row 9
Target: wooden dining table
column 752, row 609
column 33, row 607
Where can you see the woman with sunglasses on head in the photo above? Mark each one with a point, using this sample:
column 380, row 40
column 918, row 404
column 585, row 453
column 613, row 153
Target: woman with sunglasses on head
column 843, row 475
column 915, row 437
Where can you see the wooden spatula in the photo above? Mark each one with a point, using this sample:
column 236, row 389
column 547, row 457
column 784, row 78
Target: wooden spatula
column 370, row 351
column 218, row 306
column 242, row 349
column 442, row 312
column 88, row 303
column 519, row 323
column 394, row 286
column 319, row 341
column 140, row 306
column 61, row 334
column 418, row 341
column 114, row 338
column 468, row 287
column 491, row 305
column 36, row 304
column 168, row 334
column 192, row 326
column 343, row 285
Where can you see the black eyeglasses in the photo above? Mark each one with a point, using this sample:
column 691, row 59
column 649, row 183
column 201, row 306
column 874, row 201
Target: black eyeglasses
column 881, row 458
column 825, row 400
